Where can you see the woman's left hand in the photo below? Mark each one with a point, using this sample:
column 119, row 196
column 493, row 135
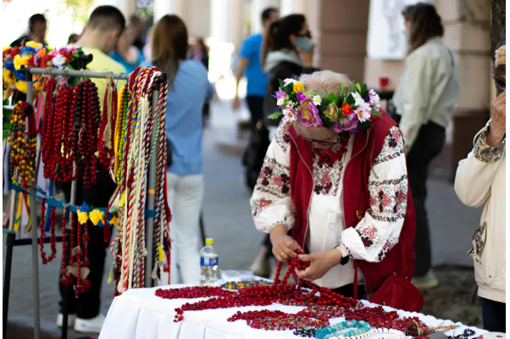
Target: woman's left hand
column 320, row 264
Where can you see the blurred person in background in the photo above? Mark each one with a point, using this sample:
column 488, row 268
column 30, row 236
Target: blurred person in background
column 137, row 31
column 481, row 181
column 126, row 53
column 73, row 38
column 147, row 48
column 287, row 52
column 37, row 27
column 200, row 52
column 99, row 38
column 424, row 100
column 188, row 90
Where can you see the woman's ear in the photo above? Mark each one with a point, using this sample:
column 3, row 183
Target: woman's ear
column 292, row 38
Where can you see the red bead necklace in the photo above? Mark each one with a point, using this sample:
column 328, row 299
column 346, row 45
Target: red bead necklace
column 49, row 131
column 63, row 273
column 377, row 317
column 328, row 157
column 53, row 239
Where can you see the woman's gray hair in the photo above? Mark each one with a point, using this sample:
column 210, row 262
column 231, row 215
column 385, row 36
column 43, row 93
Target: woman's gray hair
column 321, row 82
column 324, row 81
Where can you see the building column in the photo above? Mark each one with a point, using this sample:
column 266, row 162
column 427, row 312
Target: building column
column 294, row 7
column 164, row 7
column 127, row 7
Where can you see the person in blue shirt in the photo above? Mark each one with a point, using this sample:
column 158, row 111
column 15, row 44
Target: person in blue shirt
column 249, row 65
column 188, row 90
column 126, row 53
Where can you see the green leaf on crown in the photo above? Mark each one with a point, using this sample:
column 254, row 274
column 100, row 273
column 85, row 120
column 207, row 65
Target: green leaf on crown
column 350, row 100
column 376, row 112
column 365, row 124
column 275, row 115
column 332, row 98
column 364, row 91
column 358, row 87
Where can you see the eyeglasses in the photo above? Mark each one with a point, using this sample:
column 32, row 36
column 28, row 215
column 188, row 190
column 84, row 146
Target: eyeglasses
column 500, row 82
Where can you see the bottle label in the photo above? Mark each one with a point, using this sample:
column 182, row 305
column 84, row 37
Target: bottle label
column 209, row 261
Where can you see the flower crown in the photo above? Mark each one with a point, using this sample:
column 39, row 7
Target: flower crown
column 345, row 111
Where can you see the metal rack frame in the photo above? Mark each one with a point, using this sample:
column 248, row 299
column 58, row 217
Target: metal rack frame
column 11, row 241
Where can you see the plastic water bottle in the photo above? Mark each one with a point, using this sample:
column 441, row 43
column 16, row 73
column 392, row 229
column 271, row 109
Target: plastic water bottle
column 209, row 264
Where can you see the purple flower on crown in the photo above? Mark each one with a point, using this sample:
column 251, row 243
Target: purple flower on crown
column 308, row 113
column 349, row 123
column 280, row 95
column 301, row 97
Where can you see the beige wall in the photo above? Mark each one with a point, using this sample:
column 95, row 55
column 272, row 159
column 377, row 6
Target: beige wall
column 196, row 15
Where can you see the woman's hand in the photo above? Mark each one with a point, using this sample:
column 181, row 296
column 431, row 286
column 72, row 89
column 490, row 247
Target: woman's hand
column 498, row 121
column 320, row 264
column 284, row 247
column 307, row 57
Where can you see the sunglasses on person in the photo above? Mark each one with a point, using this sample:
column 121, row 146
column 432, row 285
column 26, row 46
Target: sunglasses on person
column 500, row 82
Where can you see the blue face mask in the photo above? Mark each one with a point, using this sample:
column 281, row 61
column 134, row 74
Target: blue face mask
column 304, row 44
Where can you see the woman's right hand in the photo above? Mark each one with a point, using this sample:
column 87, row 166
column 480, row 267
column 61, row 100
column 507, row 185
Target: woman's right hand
column 497, row 129
column 284, row 246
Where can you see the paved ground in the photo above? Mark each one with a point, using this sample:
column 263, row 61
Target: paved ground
column 227, row 218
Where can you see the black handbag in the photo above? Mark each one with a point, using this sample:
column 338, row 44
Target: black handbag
column 253, row 157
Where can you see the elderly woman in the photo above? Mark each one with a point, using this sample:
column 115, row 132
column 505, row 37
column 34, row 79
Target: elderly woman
column 480, row 181
column 335, row 176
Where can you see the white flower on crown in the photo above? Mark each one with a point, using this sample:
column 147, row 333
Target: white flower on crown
column 280, row 102
column 374, row 98
column 289, row 115
column 317, row 100
column 364, row 111
column 286, row 81
column 358, row 100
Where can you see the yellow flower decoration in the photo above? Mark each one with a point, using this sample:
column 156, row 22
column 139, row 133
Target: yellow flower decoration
column 298, row 87
column 9, row 77
column 114, row 220
column 33, row 44
column 83, row 217
column 21, row 86
column 19, row 61
column 96, row 216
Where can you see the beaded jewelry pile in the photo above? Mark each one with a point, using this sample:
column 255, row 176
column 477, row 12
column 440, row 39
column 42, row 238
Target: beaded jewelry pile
column 323, row 305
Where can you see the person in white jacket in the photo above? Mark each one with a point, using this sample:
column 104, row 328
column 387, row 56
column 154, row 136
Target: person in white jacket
column 424, row 100
column 481, row 181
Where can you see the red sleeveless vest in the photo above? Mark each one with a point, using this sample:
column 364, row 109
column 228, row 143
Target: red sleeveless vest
column 367, row 145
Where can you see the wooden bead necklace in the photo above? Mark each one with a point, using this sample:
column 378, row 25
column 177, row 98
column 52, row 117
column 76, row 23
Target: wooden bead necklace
column 22, row 140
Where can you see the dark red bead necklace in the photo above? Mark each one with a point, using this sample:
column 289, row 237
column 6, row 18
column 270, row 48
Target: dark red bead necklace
column 53, row 239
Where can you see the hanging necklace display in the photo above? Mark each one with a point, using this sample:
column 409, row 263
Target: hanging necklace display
column 107, row 127
column 133, row 150
column 53, row 239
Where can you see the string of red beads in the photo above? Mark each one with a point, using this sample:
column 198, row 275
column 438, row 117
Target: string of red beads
column 377, row 317
column 64, row 248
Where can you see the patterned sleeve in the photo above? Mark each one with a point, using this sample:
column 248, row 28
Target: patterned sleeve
column 486, row 153
column 271, row 203
column 379, row 230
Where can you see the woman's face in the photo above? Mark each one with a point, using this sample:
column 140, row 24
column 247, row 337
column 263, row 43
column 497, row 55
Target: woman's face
column 316, row 135
column 407, row 28
column 302, row 32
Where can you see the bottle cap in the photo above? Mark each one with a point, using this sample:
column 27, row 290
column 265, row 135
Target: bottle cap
column 209, row 241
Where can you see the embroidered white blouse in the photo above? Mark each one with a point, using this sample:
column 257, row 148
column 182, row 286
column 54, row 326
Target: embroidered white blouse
column 371, row 238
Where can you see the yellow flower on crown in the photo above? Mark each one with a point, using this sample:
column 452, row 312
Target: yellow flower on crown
column 83, row 217
column 33, row 44
column 96, row 216
column 19, row 61
column 298, row 87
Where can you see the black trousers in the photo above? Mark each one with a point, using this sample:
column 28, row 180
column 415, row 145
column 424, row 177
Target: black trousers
column 86, row 306
column 428, row 145
column 494, row 315
column 348, row 291
column 255, row 104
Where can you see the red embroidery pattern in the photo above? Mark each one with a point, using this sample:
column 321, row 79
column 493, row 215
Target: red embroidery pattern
column 327, row 169
column 274, row 178
column 393, row 146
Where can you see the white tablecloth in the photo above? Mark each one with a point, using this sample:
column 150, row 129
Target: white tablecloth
column 139, row 314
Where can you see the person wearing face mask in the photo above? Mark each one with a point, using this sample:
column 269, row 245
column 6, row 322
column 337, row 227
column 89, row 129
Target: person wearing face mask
column 480, row 181
column 342, row 193
column 425, row 99
column 101, row 34
column 287, row 52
